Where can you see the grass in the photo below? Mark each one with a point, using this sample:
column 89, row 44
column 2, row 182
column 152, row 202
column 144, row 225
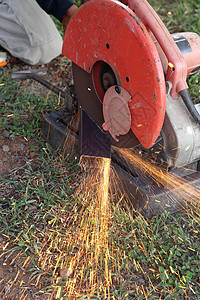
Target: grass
column 152, row 259
column 159, row 250
column 179, row 16
column 21, row 111
column 162, row 255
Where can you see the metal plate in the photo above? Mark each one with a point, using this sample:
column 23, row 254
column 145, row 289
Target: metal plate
column 94, row 142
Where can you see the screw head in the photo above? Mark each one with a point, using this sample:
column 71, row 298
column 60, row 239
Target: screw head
column 117, row 89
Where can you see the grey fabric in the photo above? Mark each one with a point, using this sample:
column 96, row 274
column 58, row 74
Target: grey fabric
column 27, row 32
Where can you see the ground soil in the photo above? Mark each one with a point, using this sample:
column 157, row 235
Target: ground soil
column 15, row 281
column 15, row 153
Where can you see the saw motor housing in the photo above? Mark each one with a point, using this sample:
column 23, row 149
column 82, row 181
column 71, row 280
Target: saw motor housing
column 129, row 73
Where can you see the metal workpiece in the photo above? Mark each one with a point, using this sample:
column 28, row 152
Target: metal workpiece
column 37, row 74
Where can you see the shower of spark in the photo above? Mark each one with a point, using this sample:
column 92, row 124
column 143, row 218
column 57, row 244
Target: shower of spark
column 186, row 193
column 83, row 250
column 79, row 246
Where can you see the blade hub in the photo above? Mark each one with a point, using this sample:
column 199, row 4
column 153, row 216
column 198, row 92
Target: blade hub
column 103, row 78
column 108, row 81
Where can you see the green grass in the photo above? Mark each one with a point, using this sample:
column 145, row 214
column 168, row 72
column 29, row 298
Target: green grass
column 165, row 249
column 184, row 14
column 163, row 253
column 20, row 111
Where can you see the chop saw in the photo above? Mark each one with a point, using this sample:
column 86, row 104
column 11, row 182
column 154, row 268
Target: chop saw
column 130, row 78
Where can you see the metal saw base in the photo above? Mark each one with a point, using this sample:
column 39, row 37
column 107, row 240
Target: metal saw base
column 146, row 197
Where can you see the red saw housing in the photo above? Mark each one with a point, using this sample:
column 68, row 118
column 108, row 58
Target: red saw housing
column 109, row 31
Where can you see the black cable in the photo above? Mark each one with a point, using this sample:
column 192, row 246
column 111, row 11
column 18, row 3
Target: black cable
column 189, row 104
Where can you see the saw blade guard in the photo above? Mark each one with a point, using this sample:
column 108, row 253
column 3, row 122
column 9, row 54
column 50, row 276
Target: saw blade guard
column 110, row 32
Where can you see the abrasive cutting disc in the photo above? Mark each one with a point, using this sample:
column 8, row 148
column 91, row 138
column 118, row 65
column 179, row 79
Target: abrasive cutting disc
column 89, row 100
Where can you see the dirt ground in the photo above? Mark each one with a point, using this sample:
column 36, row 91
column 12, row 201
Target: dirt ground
column 15, row 153
column 15, row 282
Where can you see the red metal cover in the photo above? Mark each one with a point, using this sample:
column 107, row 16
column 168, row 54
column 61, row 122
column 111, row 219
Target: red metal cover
column 109, row 31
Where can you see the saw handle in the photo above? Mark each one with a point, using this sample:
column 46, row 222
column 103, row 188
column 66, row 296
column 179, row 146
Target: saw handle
column 177, row 67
